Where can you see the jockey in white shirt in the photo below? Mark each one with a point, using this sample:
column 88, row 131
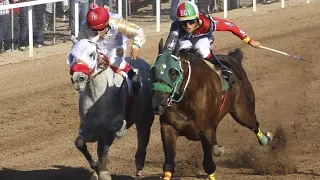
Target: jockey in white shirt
column 113, row 33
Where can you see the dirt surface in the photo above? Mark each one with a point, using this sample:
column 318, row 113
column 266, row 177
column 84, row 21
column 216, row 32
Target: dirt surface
column 39, row 116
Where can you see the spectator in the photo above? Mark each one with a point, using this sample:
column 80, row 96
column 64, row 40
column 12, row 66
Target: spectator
column 174, row 5
column 49, row 17
column 16, row 26
column 24, row 30
column 83, row 9
column 5, row 28
column 40, row 23
column 215, row 6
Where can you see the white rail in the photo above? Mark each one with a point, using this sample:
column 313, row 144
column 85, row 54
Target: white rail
column 29, row 4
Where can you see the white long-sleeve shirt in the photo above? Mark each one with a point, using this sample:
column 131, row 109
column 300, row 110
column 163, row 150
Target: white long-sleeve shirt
column 120, row 31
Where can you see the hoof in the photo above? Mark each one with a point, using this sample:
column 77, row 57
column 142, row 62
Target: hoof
column 218, row 150
column 265, row 138
column 270, row 136
column 138, row 175
column 105, row 175
column 94, row 176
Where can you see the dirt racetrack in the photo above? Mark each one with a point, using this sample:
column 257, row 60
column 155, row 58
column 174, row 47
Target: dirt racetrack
column 39, row 117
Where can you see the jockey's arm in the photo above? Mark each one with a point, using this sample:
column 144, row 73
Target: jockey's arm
column 225, row 25
column 133, row 32
column 173, row 36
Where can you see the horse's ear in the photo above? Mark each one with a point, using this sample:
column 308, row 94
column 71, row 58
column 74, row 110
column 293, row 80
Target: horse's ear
column 176, row 50
column 161, row 46
column 74, row 39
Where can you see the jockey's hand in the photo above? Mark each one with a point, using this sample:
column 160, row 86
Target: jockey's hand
column 134, row 53
column 255, row 44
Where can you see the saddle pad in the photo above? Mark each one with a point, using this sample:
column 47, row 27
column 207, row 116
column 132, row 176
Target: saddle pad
column 224, row 83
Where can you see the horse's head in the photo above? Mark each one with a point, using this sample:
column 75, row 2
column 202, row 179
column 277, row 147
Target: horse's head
column 166, row 76
column 83, row 61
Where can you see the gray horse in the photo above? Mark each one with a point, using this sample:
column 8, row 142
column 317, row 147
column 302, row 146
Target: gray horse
column 105, row 106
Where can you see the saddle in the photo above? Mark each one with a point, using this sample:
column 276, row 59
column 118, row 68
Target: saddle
column 224, row 83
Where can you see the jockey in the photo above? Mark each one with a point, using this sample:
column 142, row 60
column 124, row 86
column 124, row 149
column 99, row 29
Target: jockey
column 113, row 33
column 194, row 30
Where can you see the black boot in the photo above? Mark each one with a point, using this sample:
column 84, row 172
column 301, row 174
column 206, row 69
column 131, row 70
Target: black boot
column 135, row 81
column 224, row 69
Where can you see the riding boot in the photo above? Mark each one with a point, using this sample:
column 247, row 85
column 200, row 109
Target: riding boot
column 224, row 69
column 135, row 80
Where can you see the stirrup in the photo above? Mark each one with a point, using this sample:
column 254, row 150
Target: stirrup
column 228, row 76
column 121, row 132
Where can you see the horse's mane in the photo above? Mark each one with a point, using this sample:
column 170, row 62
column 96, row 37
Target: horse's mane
column 190, row 55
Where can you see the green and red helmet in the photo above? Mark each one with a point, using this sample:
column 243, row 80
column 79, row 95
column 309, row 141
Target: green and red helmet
column 187, row 11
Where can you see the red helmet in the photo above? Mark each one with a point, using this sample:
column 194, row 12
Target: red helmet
column 97, row 17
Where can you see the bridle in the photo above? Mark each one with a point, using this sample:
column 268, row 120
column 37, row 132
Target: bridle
column 102, row 64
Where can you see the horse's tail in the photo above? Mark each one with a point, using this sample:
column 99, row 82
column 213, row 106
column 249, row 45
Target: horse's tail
column 237, row 54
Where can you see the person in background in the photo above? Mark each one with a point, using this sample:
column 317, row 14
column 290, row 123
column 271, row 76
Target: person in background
column 40, row 19
column 24, row 30
column 194, row 30
column 173, row 7
column 16, row 26
column 83, row 9
column 5, row 28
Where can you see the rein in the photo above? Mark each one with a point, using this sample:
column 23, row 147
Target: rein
column 103, row 63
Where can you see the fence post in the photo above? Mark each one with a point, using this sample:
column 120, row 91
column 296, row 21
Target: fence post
column 120, row 7
column 12, row 30
column 158, row 15
column 254, row 5
column 54, row 22
column 225, row 8
column 30, row 10
column 282, row 3
column 76, row 18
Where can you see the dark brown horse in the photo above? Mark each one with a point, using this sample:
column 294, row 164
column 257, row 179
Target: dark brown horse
column 191, row 101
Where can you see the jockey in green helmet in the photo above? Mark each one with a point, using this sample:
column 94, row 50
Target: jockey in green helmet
column 195, row 30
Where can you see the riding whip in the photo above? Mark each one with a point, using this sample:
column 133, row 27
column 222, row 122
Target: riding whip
column 286, row 54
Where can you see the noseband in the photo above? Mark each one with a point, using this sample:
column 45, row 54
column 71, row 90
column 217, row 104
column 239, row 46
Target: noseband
column 102, row 63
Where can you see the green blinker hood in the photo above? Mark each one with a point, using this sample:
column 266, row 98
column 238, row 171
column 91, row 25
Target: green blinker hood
column 163, row 64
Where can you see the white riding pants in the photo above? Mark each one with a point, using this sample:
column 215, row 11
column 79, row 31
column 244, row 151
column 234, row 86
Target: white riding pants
column 202, row 44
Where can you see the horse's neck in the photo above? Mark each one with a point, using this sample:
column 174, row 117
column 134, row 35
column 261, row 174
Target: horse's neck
column 200, row 73
column 98, row 85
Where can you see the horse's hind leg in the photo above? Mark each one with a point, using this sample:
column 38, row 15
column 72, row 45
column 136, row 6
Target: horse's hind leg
column 103, row 151
column 143, row 134
column 244, row 113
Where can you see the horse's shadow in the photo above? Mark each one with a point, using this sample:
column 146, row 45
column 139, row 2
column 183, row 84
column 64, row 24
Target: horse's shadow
column 59, row 173
column 55, row 173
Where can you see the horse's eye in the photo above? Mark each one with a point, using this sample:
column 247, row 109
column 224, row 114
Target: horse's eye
column 92, row 55
column 172, row 72
column 173, row 75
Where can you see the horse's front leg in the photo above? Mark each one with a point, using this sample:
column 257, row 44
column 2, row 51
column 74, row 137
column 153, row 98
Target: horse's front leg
column 169, row 140
column 207, row 146
column 82, row 146
column 103, row 152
